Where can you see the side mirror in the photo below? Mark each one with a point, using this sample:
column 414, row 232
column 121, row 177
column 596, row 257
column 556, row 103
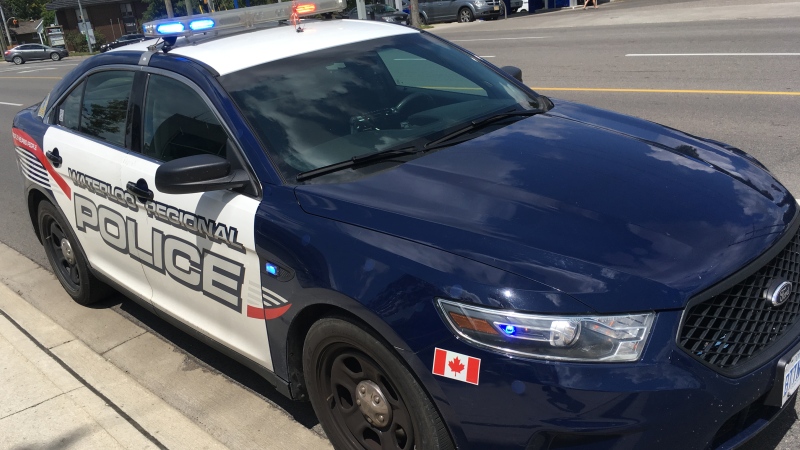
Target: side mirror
column 198, row 173
column 515, row 72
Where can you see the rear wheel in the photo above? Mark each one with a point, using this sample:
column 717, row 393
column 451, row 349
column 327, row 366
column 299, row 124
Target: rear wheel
column 55, row 56
column 422, row 20
column 18, row 60
column 66, row 257
column 364, row 397
column 465, row 15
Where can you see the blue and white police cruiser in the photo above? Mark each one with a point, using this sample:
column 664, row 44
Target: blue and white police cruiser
column 431, row 253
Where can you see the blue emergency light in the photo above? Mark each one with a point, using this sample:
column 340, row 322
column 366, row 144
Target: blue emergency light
column 170, row 28
column 202, row 24
column 272, row 269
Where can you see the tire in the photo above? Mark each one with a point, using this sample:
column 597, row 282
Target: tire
column 465, row 15
column 18, row 60
column 513, row 10
column 55, row 56
column 67, row 259
column 343, row 363
column 422, row 20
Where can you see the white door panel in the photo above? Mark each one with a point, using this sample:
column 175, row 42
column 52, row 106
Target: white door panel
column 203, row 266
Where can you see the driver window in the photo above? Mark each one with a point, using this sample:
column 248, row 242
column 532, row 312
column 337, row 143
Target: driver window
column 411, row 70
column 178, row 123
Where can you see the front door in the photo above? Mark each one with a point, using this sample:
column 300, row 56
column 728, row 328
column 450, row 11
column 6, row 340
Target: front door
column 200, row 251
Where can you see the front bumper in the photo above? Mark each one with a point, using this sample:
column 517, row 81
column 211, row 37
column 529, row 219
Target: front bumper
column 667, row 400
column 487, row 11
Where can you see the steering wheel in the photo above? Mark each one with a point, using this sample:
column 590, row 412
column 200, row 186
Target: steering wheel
column 416, row 97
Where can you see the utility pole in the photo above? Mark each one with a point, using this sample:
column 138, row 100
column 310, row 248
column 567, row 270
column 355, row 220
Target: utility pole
column 168, row 4
column 85, row 28
column 5, row 25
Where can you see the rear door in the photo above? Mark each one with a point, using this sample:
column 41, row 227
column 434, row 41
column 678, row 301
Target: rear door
column 89, row 136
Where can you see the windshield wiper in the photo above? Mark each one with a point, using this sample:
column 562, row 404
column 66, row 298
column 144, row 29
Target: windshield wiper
column 480, row 123
column 357, row 161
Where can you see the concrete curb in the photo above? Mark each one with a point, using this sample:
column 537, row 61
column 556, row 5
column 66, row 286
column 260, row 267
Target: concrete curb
column 51, row 378
column 105, row 382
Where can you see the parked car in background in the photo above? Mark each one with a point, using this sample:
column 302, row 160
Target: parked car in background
column 514, row 6
column 123, row 40
column 381, row 12
column 31, row 52
column 431, row 11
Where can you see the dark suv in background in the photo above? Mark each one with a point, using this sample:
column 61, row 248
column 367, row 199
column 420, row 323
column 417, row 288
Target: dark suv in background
column 123, row 40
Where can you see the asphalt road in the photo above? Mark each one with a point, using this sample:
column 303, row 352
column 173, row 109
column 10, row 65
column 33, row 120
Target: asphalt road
column 593, row 65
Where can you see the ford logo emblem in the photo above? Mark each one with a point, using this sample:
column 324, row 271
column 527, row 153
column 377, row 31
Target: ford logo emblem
column 779, row 292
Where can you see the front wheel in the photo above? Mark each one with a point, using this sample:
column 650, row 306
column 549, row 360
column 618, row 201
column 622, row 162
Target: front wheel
column 66, row 257
column 364, row 397
column 55, row 56
column 465, row 15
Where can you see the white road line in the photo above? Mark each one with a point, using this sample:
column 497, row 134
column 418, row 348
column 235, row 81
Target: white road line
column 487, row 56
column 18, row 68
column 500, row 39
column 11, row 104
column 36, row 70
column 713, row 54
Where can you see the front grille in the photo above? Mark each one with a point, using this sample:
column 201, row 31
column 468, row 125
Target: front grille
column 736, row 325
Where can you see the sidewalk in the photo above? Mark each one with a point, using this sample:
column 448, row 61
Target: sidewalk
column 55, row 392
column 81, row 377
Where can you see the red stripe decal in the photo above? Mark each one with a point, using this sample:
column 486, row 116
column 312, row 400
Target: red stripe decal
column 439, row 360
column 268, row 313
column 23, row 140
column 473, row 370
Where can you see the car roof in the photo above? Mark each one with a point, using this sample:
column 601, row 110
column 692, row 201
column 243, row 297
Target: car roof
column 233, row 52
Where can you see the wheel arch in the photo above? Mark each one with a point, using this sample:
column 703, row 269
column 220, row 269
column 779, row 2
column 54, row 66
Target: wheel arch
column 35, row 197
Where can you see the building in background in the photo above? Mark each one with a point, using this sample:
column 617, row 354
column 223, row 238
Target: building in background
column 110, row 18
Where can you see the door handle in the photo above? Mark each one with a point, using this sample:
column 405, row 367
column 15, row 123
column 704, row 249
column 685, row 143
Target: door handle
column 140, row 190
column 54, row 157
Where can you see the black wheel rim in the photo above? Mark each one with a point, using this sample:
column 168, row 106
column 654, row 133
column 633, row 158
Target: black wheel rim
column 343, row 368
column 67, row 271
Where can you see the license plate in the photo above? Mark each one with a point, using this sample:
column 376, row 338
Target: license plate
column 497, row 8
column 791, row 377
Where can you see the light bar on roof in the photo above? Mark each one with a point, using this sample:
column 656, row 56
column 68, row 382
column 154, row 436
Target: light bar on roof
column 239, row 18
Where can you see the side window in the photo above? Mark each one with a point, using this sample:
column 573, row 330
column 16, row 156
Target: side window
column 413, row 71
column 178, row 123
column 69, row 112
column 105, row 106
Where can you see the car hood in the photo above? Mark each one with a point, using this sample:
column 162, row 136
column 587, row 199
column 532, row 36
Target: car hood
column 621, row 213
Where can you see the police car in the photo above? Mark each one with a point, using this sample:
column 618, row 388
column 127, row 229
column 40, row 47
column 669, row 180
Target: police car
column 434, row 255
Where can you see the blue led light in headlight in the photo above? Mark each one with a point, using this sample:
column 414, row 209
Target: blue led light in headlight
column 509, row 330
column 272, row 269
column 171, row 27
column 201, row 24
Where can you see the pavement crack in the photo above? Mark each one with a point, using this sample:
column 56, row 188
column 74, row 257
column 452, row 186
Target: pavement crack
column 32, row 406
column 124, row 342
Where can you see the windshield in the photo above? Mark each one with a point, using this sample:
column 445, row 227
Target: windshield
column 321, row 108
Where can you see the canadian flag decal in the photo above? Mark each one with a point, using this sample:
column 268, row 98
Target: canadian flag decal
column 456, row 366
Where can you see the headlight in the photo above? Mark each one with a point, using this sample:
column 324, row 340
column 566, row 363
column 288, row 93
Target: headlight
column 478, row 3
column 566, row 338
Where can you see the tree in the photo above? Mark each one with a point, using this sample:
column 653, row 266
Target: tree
column 25, row 9
column 414, row 11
